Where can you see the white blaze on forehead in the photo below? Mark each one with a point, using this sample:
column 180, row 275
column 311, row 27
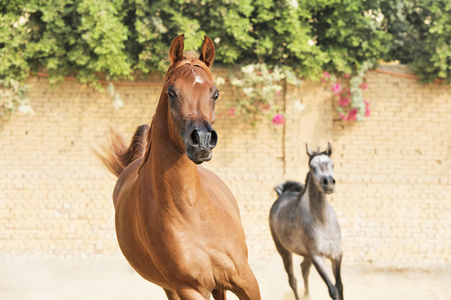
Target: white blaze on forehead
column 198, row 79
column 323, row 164
column 319, row 160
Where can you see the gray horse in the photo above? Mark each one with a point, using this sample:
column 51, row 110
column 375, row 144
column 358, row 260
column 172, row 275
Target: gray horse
column 304, row 223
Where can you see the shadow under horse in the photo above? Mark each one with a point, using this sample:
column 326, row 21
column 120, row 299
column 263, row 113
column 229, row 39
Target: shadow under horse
column 303, row 222
column 177, row 223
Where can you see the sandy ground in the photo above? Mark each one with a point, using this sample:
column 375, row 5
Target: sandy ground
column 114, row 279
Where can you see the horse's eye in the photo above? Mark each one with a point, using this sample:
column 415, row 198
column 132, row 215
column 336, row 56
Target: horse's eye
column 215, row 97
column 171, row 94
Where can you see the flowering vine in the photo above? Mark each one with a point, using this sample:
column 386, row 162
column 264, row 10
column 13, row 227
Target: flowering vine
column 260, row 85
column 13, row 97
column 351, row 106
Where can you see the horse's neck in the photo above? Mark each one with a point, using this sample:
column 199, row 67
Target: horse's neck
column 173, row 176
column 317, row 200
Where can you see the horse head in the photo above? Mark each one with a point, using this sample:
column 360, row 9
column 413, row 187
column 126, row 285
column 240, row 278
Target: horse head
column 191, row 96
column 322, row 169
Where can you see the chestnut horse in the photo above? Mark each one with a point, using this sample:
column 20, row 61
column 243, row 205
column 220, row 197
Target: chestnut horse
column 177, row 223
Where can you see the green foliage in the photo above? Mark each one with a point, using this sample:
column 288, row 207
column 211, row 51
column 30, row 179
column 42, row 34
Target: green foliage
column 421, row 32
column 64, row 37
column 89, row 39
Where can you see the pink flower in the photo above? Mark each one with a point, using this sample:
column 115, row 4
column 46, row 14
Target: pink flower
column 345, row 92
column 265, row 108
column 352, row 115
column 363, row 85
column 347, row 75
column 336, row 88
column 342, row 116
column 343, row 102
column 326, row 75
column 367, row 108
column 232, row 112
column 278, row 119
column 277, row 93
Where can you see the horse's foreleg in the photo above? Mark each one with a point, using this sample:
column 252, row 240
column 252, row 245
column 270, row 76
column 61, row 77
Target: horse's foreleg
column 246, row 288
column 219, row 294
column 305, row 267
column 288, row 264
column 318, row 262
column 171, row 295
column 192, row 294
column 336, row 266
column 287, row 258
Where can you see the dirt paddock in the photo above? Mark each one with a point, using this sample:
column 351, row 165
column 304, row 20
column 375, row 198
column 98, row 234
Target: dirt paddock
column 68, row 279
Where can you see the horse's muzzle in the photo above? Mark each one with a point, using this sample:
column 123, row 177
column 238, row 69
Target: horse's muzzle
column 328, row 184
column 200, row 142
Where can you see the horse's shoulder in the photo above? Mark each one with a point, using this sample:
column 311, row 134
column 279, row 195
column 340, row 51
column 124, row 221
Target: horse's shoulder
column 207, row 178
column 211, row 183
column 205, row 173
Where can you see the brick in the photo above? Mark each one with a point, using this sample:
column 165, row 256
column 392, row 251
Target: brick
column 392, row 196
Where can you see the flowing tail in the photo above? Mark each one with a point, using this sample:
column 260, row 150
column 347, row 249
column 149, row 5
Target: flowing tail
column 288, row 186
column 115, row 156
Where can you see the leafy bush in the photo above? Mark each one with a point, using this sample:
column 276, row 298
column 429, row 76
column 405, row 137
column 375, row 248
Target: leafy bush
column 88, row 37
column 421, row 31
column 120, row 38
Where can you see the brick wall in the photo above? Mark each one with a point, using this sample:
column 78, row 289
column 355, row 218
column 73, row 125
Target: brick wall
column 393, row 195
column 394, row 191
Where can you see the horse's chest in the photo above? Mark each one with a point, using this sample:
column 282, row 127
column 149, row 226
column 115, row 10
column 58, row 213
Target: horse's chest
column 198, row 262
column 326, row 242
column 199, row 252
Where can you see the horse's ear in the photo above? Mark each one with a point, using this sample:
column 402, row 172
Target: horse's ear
column 207, row 54
column 329, row 149
column 176, row 50
column 309, row 152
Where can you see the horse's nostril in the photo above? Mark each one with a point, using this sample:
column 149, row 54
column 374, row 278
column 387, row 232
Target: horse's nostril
column 325, row 182
column 333, row 180
column 194, row 138
column 213, row 138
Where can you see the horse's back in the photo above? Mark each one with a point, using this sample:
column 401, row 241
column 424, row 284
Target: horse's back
column 289, row 186
column 284, row 204
column 127, row 176
column 288, row 198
